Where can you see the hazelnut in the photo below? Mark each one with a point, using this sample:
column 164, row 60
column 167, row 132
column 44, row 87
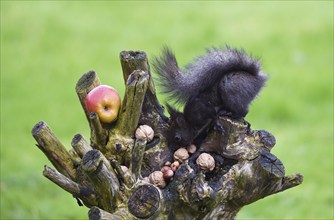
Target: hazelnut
column 181, row 155
column 206, row 162
column 167, row 172
column 175, row 165
column 191, row 148
column 156, row 178
column 168, row 163
column 144, row 132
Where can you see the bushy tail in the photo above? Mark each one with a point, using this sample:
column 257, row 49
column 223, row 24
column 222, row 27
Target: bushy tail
column 202, row 73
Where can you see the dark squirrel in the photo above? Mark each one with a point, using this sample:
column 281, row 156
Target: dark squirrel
column 221, row 83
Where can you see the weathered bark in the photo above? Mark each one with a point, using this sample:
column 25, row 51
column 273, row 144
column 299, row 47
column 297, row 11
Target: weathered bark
column 137, row 158
column 55, row 151
column 136, row 87
column 152, row 112
column 86, row 83
column 99, row 136
column 109, row 174
column 85, row 193
column 80, row 145
column 103, row 179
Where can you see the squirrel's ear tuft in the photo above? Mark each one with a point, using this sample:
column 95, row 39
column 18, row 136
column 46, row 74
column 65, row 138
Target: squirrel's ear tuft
column 172, row 111
column 176, row 116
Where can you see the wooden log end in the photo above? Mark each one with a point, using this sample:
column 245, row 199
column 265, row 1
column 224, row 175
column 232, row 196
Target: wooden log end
column 96, row 123
column 86, row 81
column 133, row 55
column 80, row 145
column 76, row 139
column 272, row 165
column 267, row 139
column 92, row 161
column 144, row 202
column 38, row 128
column 292, row 181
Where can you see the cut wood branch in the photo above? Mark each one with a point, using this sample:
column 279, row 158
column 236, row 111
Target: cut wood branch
column 123, row 174
column 84, row 193
column 132, row 61
column 104, row 180
column 99, row 136
column 121, row 141
column 132, row 104
column 152, row 113
column 55, row 151
column 80, row 145
column 85, row 84
column 61, row 180
column 137, row 158
column 290, row 181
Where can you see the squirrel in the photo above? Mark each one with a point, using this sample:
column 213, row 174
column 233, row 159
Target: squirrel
column 223, row 82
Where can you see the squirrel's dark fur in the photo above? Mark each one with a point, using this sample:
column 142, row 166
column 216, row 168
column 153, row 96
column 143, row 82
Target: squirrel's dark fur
column 222, row 82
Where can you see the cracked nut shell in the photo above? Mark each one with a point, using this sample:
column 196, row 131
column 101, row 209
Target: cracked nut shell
column 157, row 178
column 181, row 155
column 144, row 132
column 206, row 162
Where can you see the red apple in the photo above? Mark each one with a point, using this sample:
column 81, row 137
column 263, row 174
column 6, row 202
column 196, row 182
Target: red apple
column 105, row 101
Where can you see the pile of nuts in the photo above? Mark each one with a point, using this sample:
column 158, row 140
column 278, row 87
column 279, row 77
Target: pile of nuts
column 160, row 178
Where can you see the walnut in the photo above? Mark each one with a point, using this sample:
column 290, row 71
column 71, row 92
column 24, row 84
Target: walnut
column 206, row 162
column 181, row 155
column 191, row 148
column 144, row 132
column 156, row 178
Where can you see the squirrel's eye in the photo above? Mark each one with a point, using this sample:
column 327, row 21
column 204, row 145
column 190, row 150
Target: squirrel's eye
column 177, row 138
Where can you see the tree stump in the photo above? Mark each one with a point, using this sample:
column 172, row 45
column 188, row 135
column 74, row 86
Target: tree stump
column 108, row 174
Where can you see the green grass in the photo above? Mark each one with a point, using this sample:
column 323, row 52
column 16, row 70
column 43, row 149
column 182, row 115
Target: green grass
column 47, row 46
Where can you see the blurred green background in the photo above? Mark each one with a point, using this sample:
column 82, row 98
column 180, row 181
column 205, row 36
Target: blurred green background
column 47, row 45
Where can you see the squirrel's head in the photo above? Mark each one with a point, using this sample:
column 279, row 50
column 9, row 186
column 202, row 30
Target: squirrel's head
column 180, row 133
